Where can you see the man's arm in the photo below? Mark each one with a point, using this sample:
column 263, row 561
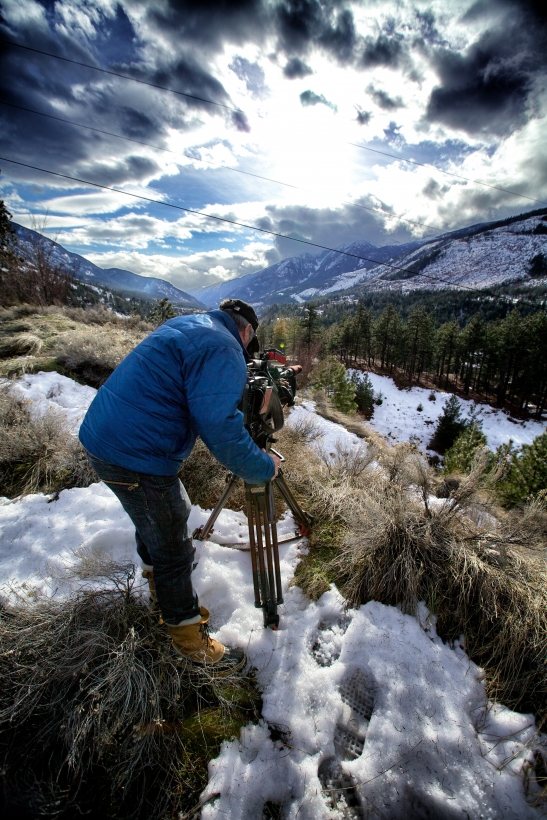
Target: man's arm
column 214, row 381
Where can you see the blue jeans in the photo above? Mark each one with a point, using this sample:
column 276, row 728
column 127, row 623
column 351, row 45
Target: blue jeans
column 159, row 507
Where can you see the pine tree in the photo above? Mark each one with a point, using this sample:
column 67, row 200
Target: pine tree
column 446, row 349
column 538, row 266
column 363, row 332
column 449, row 426
column 526, row 474
column 161, row 312
column 310, row 326
column 8, row 258
column 331, row 376
column 419, row 333
column 472, row 346
column 364, row 393
column 387, row 335
column 459, row 458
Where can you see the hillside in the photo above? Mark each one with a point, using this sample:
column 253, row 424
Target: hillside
column 478, row 256
column 362, row 702
column 124, row 281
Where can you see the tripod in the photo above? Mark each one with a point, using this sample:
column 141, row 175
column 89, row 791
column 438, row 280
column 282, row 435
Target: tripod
column 263, row 540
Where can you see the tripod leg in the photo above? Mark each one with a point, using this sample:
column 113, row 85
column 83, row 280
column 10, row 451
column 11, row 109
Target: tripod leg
column 260, row 549
column 253, row 545
column 302, row 518
column 275, row 546
column 264, row 556
column 268, row 546
column 202, row 533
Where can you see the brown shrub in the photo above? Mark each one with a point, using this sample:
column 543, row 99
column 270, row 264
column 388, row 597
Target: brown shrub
column 91, row 355
column 38, row 454
column 98, row 715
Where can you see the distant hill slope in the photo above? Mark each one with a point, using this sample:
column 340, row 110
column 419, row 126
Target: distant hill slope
column 478, row 256
column 124, row 281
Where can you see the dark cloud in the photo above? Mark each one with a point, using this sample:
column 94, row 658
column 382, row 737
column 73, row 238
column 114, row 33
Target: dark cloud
column 488, row 88
column 392, row 134
column 186, row 74
column 328, row 226
column 363, row 117
column 384, row 51
column 299, row 22
column 136, row 124
column 305, row 23
column 296, row 68
column 428, row 30
column 128, row 170
column 383, row 100
column 210, row 23
column 340, row 39
column 240, row 121
column 80, row 94
column 311, row 98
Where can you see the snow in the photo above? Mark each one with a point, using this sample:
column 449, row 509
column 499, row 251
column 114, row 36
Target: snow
column 398, row 419
column 430, row 737
column 332, row 437
column 59, row 394
column 425, row 740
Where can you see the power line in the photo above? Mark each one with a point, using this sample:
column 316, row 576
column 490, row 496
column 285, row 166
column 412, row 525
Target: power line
column 123, row 76
column 447, row 173
column 255, row 228
column 217, row 165
column 239, row 111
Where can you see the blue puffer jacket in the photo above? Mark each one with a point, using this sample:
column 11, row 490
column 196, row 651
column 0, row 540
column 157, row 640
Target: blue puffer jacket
column 185, row 379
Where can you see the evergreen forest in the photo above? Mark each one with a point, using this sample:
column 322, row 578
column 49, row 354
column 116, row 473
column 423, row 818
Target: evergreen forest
column 502, row 361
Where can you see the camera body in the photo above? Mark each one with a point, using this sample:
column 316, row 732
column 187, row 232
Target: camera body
column 270, row 387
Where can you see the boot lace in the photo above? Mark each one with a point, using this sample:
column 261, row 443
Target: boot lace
column 204, row 631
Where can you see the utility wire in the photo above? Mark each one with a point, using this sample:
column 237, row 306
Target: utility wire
column 123, row 76
column 447, row 173
column 260, row 230
column 217, row 165
column 239, row 111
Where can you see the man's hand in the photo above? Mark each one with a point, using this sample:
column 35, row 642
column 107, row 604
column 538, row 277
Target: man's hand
column 297, row 368
column 276, row 460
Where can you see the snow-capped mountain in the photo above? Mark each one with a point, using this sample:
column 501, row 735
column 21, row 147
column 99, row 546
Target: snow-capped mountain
column 123, row 281
column 290, row 279
column 495, row 254
column 477, row 256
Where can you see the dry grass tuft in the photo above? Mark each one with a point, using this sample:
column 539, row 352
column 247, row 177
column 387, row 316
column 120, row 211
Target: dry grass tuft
column 38, row 454
column 24, row 344
column 84, row 344
column 92, row 354
column 99, row 716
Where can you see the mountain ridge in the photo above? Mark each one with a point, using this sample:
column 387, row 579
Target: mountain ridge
column 436, row 262
column 82, row 269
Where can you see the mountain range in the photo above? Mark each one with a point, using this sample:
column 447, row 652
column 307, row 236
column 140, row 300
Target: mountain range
column 124, row 282
column 478, row 256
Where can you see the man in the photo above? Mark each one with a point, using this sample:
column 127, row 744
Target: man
column 185, row 379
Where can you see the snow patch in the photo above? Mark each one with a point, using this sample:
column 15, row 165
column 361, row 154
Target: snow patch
column 59, row 394
column 398, row 418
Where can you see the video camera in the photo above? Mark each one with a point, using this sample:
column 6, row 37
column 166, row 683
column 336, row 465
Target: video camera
column 270, row 387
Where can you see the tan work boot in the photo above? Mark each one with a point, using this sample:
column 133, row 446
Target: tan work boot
column 148, row 575
column 191, row 640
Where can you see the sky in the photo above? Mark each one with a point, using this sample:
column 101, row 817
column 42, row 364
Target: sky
column 279, row 104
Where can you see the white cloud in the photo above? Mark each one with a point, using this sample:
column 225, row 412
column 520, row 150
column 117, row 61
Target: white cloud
column 195, row 270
